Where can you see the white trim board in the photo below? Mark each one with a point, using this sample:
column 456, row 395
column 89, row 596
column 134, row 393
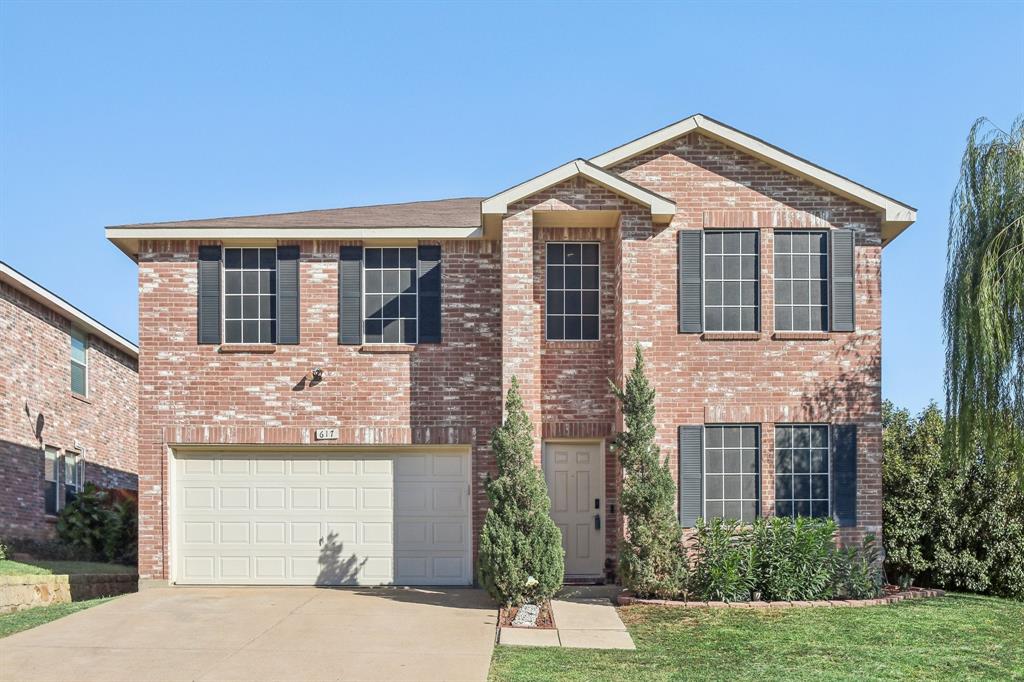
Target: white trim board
column 896, row 216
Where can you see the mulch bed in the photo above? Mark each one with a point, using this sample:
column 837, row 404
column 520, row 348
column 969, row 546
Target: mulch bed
column 545, row 621
column 891, row 595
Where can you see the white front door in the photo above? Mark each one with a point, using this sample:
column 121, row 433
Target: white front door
column 266, row 518
column 575, row 477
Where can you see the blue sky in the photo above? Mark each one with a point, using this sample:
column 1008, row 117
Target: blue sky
column 132, row 112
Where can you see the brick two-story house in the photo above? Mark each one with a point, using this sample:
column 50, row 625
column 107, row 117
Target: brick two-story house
column 69, row 407
column 318, row 388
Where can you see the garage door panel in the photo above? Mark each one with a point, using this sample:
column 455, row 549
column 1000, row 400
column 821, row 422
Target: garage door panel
column 327, row 519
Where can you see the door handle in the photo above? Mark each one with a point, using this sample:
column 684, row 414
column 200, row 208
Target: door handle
column 597, row 522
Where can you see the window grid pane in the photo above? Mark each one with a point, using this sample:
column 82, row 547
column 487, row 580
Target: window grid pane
column 79, row 363
column 250, row 295
column 573, row 309
column 732, row 472
column 390, row 295
column 801, row 281
column 802, row 470
column 731, row 280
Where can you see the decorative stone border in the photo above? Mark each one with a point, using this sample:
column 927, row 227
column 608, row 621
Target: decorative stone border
column 912, row 593
column 18, row 592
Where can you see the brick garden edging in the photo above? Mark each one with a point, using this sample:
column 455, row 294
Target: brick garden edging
column 18, row 592
column 912, row 593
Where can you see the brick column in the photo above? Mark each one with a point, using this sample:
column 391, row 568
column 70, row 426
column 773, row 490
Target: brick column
column 520, row 318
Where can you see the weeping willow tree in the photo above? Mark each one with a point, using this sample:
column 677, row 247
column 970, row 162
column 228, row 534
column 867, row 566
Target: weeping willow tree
column 983, row 312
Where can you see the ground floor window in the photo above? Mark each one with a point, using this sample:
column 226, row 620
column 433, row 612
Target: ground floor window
column 63, row 477
column 731, row 472
column 802, row 470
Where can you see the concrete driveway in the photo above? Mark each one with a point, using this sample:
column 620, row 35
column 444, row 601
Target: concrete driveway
column 261, row 633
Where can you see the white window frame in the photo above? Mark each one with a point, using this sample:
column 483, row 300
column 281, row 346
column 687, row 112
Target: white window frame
column 828, row 470
column 363, row 292
column 704, row 472
column 224, row 295
column 547, row 337
column 757, row 282
column 58, row 463
column 825, row 304
column 79, row 470
column 84, row 338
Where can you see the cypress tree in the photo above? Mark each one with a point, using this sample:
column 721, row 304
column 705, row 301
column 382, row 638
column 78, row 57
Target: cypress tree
column 651, row 559
column 521, row 558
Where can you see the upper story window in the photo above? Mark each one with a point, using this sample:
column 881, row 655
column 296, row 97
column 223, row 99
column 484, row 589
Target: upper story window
column 802, row 470
column 801, row 281
column 731, row 281
column 573, row 291
column 79, row 363
column 250, row 295
column 731, row 472
column 390, row 295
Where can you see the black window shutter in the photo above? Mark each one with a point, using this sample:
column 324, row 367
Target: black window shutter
column 691, row 284
column 842, row 280
column 430, row 294
column 208, row 301
column 350, row 295
column 844, row 474
column 288, row 294
column 691, row 474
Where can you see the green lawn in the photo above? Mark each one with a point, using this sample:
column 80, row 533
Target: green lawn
column 8, row 567
column 30, row 618
column 958, row 636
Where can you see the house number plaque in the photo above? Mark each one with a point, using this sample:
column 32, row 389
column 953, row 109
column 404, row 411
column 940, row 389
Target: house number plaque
column 325, row 434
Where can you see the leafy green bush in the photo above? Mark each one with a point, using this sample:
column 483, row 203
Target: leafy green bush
column 650, row 558
column 724, row 562
column 949, row 523
column 858, row 571
column 48, row 550
column 3, row 550
column 792, row 558
column 100, row 526
column 521, row 557
column 781, row 559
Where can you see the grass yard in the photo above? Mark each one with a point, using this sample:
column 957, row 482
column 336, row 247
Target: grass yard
column 8, row 567
column 957, row 636
column 30, row 618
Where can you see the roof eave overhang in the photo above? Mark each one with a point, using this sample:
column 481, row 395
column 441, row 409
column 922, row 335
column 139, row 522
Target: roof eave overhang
column 896, row 216
column 54, row 302
column 127, row 238
column 662, row 209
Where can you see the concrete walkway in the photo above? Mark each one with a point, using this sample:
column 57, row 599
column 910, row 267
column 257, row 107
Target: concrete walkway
column 253, row 634
column 585, row 618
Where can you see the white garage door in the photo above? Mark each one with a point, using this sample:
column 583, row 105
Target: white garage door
column 323, row 519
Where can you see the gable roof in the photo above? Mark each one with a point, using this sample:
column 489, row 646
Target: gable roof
column 52, row 301
column 480, row 217
column 662, row 209
column 896, row 216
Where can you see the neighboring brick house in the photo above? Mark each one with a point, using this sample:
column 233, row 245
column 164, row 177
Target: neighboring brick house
column 69, row 408
column 319, row 388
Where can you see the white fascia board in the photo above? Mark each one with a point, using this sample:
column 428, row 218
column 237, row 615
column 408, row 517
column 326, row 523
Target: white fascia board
column 897, row 215
column 127, row 238
column 662, row 209
column 54, row 302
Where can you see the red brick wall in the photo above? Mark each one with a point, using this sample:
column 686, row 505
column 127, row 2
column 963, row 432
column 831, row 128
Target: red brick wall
column 37, row 409
column 764, row 381
column 446, row 393
column 493, row 300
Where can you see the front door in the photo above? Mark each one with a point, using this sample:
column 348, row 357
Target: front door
column 575, row 477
